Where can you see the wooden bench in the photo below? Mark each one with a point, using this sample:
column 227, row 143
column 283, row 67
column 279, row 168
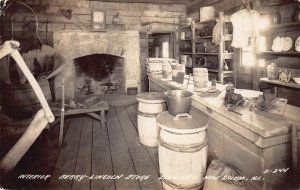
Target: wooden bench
column 97, row 112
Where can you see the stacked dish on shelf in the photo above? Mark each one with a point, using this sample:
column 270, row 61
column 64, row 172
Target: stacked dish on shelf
column 282, row 44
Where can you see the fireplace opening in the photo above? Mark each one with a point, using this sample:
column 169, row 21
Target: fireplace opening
column 99, row 74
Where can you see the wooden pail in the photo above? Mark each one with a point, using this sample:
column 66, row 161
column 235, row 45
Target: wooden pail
column 150, row 105
column 182, row 150
column 20, row 101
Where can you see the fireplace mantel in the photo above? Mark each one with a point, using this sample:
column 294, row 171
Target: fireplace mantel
column 74, row 44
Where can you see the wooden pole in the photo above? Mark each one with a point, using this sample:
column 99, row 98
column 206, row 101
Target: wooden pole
column 24, row 143
column 62, row 114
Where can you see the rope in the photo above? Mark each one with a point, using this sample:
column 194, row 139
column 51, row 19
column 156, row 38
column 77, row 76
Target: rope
column 246, row 4
column 183, row 148
column 147, row 114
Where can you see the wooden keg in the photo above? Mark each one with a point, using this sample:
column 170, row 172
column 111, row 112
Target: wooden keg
column 150, row 105
column 182, row 149
column 20, row 101
column 200, row 76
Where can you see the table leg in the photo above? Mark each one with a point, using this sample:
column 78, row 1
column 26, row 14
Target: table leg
column 103, row 120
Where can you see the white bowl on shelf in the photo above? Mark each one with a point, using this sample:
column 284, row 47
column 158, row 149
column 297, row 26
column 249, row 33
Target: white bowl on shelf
column 297, row 80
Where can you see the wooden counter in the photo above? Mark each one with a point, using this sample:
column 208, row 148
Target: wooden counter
column 249, row 141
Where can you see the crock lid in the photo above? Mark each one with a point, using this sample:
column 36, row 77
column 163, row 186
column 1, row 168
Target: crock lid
column 195, row 122
column 151, row 97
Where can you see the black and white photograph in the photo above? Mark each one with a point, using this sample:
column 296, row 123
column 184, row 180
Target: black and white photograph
column 149, row 94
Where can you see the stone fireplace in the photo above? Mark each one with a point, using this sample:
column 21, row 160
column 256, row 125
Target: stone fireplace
column 75, row 45
column 99, row 74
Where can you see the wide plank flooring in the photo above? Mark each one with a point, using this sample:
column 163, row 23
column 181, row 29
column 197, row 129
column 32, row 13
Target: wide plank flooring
column 92, row 151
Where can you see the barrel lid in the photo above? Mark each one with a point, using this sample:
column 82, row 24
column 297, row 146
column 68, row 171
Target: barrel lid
column 151, row 97
column 197, row 122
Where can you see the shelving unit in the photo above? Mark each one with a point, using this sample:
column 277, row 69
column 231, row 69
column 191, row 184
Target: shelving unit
column 198, row 42
column 273, row 31
column 286, row 59
column 185, row 43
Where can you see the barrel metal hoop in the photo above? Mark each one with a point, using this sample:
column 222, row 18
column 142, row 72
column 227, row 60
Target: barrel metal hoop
column 180, row 133
column 183, row 148
column 148, row 103
column 177, row 186
column 147, row 114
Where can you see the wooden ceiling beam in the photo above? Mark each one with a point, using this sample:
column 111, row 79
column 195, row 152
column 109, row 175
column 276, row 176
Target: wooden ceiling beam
column 149, row 1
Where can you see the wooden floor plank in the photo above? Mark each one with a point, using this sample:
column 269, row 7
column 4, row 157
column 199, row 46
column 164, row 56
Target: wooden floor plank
column 153, row 152
column 101, row 158
column 114, row 151
column 83, row 163
column 66, row 160
column 132, row 112
column 121, row 158
column 141, row 159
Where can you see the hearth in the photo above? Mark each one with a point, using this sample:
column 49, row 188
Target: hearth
column 98, row 74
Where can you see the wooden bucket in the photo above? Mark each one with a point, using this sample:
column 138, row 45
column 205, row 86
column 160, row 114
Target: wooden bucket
column 150, row 105
column 182, row 150
column 20, row 101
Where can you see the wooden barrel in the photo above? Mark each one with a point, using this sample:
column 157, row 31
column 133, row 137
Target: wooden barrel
column 150, row 105
column 20, row 101
column 182, row 150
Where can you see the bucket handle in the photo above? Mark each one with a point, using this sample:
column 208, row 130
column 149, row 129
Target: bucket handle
column 182, row 115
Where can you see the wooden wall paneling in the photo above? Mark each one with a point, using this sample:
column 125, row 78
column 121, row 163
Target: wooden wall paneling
column 138, row 6
column 76, row 10
column 150, row 1
column 131, row 16
column 69, row 3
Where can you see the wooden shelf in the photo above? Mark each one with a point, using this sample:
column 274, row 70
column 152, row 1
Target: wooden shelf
column 184, row 40
column 206, row 53
column 186, row 53
column 207, row 21
column 285, row 53
column 277, row 82
column 284, row 25
column 217, row 71
column 204, row 37
column 279, row 28
column 213, row 70
column 185, row 27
